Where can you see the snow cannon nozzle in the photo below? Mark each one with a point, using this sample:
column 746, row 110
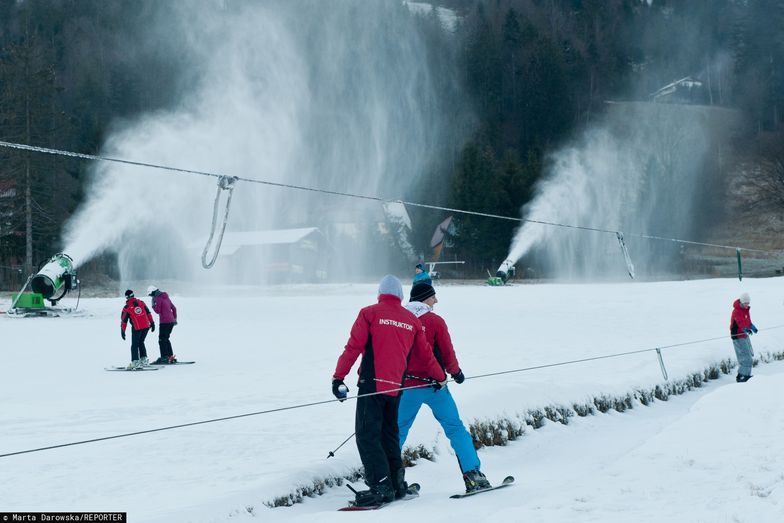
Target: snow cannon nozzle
column 503, row 274
column 55, row 278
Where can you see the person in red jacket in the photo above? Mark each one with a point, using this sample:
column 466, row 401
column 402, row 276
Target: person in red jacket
column 136, row 312
column 741, row 329
column 385, row 335
column 421, row 303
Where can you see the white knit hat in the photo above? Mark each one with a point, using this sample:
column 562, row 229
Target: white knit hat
column 745, row 299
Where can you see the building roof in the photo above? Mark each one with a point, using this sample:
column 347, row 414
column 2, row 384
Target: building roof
column 687, row 82
column 234, row 241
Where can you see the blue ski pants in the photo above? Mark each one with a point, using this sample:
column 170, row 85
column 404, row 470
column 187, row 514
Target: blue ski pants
column 445, row 411
column 745, row 354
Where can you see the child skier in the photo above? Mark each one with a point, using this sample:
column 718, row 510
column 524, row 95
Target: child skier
column 741, row 329
column 140, row 317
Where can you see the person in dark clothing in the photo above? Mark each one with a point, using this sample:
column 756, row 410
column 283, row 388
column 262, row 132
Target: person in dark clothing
column 167, row 319
column 136, row 312
column 384, row 334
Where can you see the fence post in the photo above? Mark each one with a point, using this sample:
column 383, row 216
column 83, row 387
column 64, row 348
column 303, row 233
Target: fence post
column 661, row 364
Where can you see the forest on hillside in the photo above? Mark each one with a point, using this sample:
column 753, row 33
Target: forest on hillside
column 535, row 72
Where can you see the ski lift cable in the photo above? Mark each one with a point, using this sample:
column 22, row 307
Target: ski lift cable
column 400, row 389
column 94, row 157
column 606, row 356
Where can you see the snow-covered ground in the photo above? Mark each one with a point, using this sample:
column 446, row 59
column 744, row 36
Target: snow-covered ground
column 712, row 455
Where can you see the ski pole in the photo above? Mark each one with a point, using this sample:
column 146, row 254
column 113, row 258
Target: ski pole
column 332, row 453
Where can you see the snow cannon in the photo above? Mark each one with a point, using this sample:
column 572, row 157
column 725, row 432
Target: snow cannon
column 55, row 279
column 503, row 274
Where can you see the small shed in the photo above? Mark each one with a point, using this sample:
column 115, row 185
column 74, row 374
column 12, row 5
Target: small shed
column 684, row 91
column 281, row 255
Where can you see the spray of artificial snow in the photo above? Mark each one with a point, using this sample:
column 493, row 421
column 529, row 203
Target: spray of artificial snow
column 333, row 95
column 640, row 171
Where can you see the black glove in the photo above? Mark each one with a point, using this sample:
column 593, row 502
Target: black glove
column 459, row 377
column 122, row 333
column 152, row 326
column 339, row 389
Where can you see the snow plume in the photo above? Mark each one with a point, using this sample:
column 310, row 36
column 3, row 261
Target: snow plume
column 335, row 95
column 447, row 17
column 641, row 171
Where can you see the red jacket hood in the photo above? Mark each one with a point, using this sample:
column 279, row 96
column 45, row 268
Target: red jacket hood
column 737, row 306
column 740, row 320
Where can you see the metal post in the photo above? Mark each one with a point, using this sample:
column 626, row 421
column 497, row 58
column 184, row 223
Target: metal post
column 661, row 363
column 19, row 295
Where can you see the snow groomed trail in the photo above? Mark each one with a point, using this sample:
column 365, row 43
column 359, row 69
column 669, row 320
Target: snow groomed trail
column 277, row 347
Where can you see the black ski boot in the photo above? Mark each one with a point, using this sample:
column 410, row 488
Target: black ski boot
column 401, row 487
column 475, row 480
column 377, row 495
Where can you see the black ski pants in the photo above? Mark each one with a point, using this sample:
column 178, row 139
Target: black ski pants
column 378, row 439
column 137, row 343
column 164, row 331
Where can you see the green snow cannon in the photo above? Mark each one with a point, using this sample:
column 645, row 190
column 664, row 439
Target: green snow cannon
column 55, row 279
column 504, row 273
column 27, row 300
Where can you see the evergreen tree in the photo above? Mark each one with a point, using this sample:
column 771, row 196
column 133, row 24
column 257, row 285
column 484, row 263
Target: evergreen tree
column 28, row 114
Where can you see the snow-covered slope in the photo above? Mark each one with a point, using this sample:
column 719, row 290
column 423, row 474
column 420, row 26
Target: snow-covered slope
column 710, row 455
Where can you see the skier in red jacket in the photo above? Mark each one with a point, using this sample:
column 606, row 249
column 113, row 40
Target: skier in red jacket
column 423, row 299
column 741, row 329
column 385, row 334
column 139, row 315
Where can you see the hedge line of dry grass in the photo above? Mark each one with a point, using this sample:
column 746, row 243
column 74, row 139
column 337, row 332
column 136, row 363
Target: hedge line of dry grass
column 500, row 431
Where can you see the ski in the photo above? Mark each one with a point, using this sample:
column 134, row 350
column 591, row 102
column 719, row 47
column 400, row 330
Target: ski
column 354, row 508
column 413, row 492
column 117, row 369
column 153, row 364
column 508, row 480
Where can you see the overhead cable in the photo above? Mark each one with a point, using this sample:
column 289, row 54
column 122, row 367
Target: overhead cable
column 400, row 389
column 95, row 157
